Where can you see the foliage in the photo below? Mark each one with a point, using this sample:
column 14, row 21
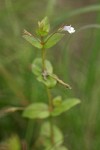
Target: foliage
column 43, row 70
column 75, row 59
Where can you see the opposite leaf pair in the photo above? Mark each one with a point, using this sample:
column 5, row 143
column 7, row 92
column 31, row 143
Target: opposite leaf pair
column 42, row 111
column 46, row 76
column 42, row 31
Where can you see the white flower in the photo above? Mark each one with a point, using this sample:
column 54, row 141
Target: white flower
column 69, row 29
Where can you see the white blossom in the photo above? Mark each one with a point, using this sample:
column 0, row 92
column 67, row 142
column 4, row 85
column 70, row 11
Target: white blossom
column 69, row 29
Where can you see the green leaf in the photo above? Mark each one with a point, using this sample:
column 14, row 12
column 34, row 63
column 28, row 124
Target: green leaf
column 46, row 134
column 61, row 148
column 57, row 101
column 31, row 39
column 53, row 39
column 37, row 67
column 13, row 143
column 36, row 110
column 49, row 81
column 65, row 105
column 57, row 148
column 37, row 70
column 44, row 27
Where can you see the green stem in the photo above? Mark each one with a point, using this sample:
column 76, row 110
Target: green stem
column 43, row 58
column 51, row 119
column 48, row 92
column 43, row 54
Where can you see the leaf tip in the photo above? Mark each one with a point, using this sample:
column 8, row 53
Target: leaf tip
column 25, row 32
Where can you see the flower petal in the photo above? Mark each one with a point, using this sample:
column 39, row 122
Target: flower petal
column 69, row 29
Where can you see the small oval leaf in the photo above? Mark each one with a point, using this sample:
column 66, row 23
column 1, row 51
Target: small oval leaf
column 46, row 133
column 31, row 39
column 53, row 39
column 57, row 101
column 49, row 81
column 69, row 103
column 36, row 110
column 13, row 143
column 37, row 67
column 65, row 105
column 57, row 147
column 44, row 27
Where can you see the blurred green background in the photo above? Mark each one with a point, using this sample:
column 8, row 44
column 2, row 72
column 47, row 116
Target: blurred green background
column 76, row 59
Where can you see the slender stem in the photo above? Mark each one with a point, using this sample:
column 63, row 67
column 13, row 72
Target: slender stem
column 51, row 119
column 43, row 58
column 50, row 99
column 43, row 54
column 48, row 92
